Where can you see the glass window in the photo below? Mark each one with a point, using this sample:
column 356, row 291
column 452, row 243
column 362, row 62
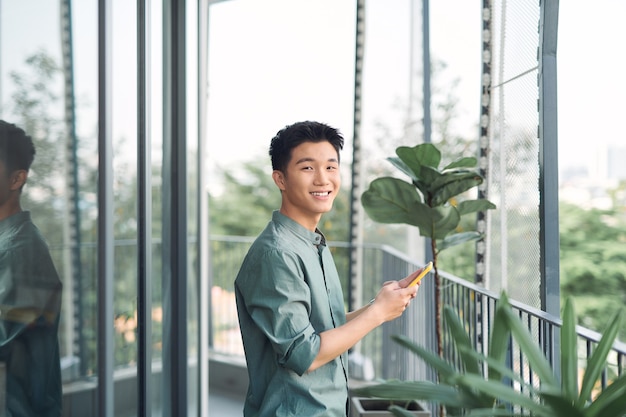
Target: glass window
column 49, row 87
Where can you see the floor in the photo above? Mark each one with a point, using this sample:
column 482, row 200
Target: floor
column 225, row 404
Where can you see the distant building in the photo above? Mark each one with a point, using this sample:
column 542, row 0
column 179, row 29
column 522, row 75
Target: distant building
column 588, row 187
column 609, row 163
column 616, row 162
column 587, row 193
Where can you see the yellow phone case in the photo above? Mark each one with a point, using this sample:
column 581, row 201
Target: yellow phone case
column 422, row 274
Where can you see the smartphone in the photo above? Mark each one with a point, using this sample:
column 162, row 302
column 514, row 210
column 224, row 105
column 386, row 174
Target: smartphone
column 422, row 274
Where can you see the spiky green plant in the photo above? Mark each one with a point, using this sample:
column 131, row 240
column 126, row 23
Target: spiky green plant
column 468, row 392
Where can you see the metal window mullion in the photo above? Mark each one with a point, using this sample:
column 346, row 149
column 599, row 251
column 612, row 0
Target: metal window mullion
column 426, row 89
column 549, row 168
column 483, row 218
column 105, row 213
column 204, row 277
column 73, row 274
column 548, row 158
column 144, row 214
column 355, row 274
column 175, row 211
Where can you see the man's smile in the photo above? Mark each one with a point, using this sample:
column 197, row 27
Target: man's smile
column 321, row 193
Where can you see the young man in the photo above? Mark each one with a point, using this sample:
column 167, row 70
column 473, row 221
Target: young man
column 30, row 294
column 290, row 304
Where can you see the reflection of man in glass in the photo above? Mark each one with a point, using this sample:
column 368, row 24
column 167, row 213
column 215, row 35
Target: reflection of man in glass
column 30, row 294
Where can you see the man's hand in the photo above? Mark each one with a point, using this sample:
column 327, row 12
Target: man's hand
column 390, row 302
column 392, row 299
column 406, row 281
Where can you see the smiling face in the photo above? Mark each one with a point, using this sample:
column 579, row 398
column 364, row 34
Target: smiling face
column 310, row 184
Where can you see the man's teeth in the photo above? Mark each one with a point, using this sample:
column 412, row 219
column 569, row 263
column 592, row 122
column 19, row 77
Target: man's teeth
column 325, row 193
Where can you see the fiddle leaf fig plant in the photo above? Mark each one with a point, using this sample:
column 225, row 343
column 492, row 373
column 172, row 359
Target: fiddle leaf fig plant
column 432, row 201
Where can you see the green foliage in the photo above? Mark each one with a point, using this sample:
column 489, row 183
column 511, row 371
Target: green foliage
column 429, row 201
column 593, row 262
column 245, row 207
column 460, row 261
column 466, row 391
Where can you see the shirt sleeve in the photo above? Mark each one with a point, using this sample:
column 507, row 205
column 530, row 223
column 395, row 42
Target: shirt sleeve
column 278, row 300
column 30, row 292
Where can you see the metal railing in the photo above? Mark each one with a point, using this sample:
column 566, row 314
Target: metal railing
column 378, row 356
column 476, row 306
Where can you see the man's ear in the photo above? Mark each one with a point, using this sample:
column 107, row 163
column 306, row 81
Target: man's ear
column 18, row 179
column 279, row 179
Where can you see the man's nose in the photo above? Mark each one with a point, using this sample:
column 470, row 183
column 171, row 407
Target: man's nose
column 321, row 177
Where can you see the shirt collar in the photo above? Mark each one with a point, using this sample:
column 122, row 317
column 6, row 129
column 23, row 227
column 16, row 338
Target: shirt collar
column 316, row 237
column 14, row 219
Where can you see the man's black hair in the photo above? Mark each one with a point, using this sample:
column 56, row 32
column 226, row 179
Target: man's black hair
column 17, row 150
column 293, row 135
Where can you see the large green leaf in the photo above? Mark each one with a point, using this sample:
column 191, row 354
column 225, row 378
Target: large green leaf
column 597, row 361
column 569, row 353
column 413, row 390
column 465, row 162
column 428, row 177
column 410, row 160
column 472, row 206
column 448, row 375
column 451, row 176
column 423, row 154
column 399, row 163
column 499, row 370
column 500, row 337
column 612, row 400
column 443, row 368
column 446, row 222
column 391, row 200
column 503, row 393
column 424, row 188
column 535, row 356
column 452, row 189
column 561, row 406
column 457, row 239
column 461, row 340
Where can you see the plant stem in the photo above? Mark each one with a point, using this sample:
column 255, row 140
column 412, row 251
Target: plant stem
column 439, row 330
column 433, row 245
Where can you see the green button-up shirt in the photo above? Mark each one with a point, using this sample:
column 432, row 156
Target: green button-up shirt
column 288, row 292
column 30, row 303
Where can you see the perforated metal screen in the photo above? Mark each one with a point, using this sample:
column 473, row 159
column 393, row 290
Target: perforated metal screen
column 512, row 258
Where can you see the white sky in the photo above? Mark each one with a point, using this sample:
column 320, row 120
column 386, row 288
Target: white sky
column 591, row 77
column 309, row 51
column 591, row 68
column 302, row 67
